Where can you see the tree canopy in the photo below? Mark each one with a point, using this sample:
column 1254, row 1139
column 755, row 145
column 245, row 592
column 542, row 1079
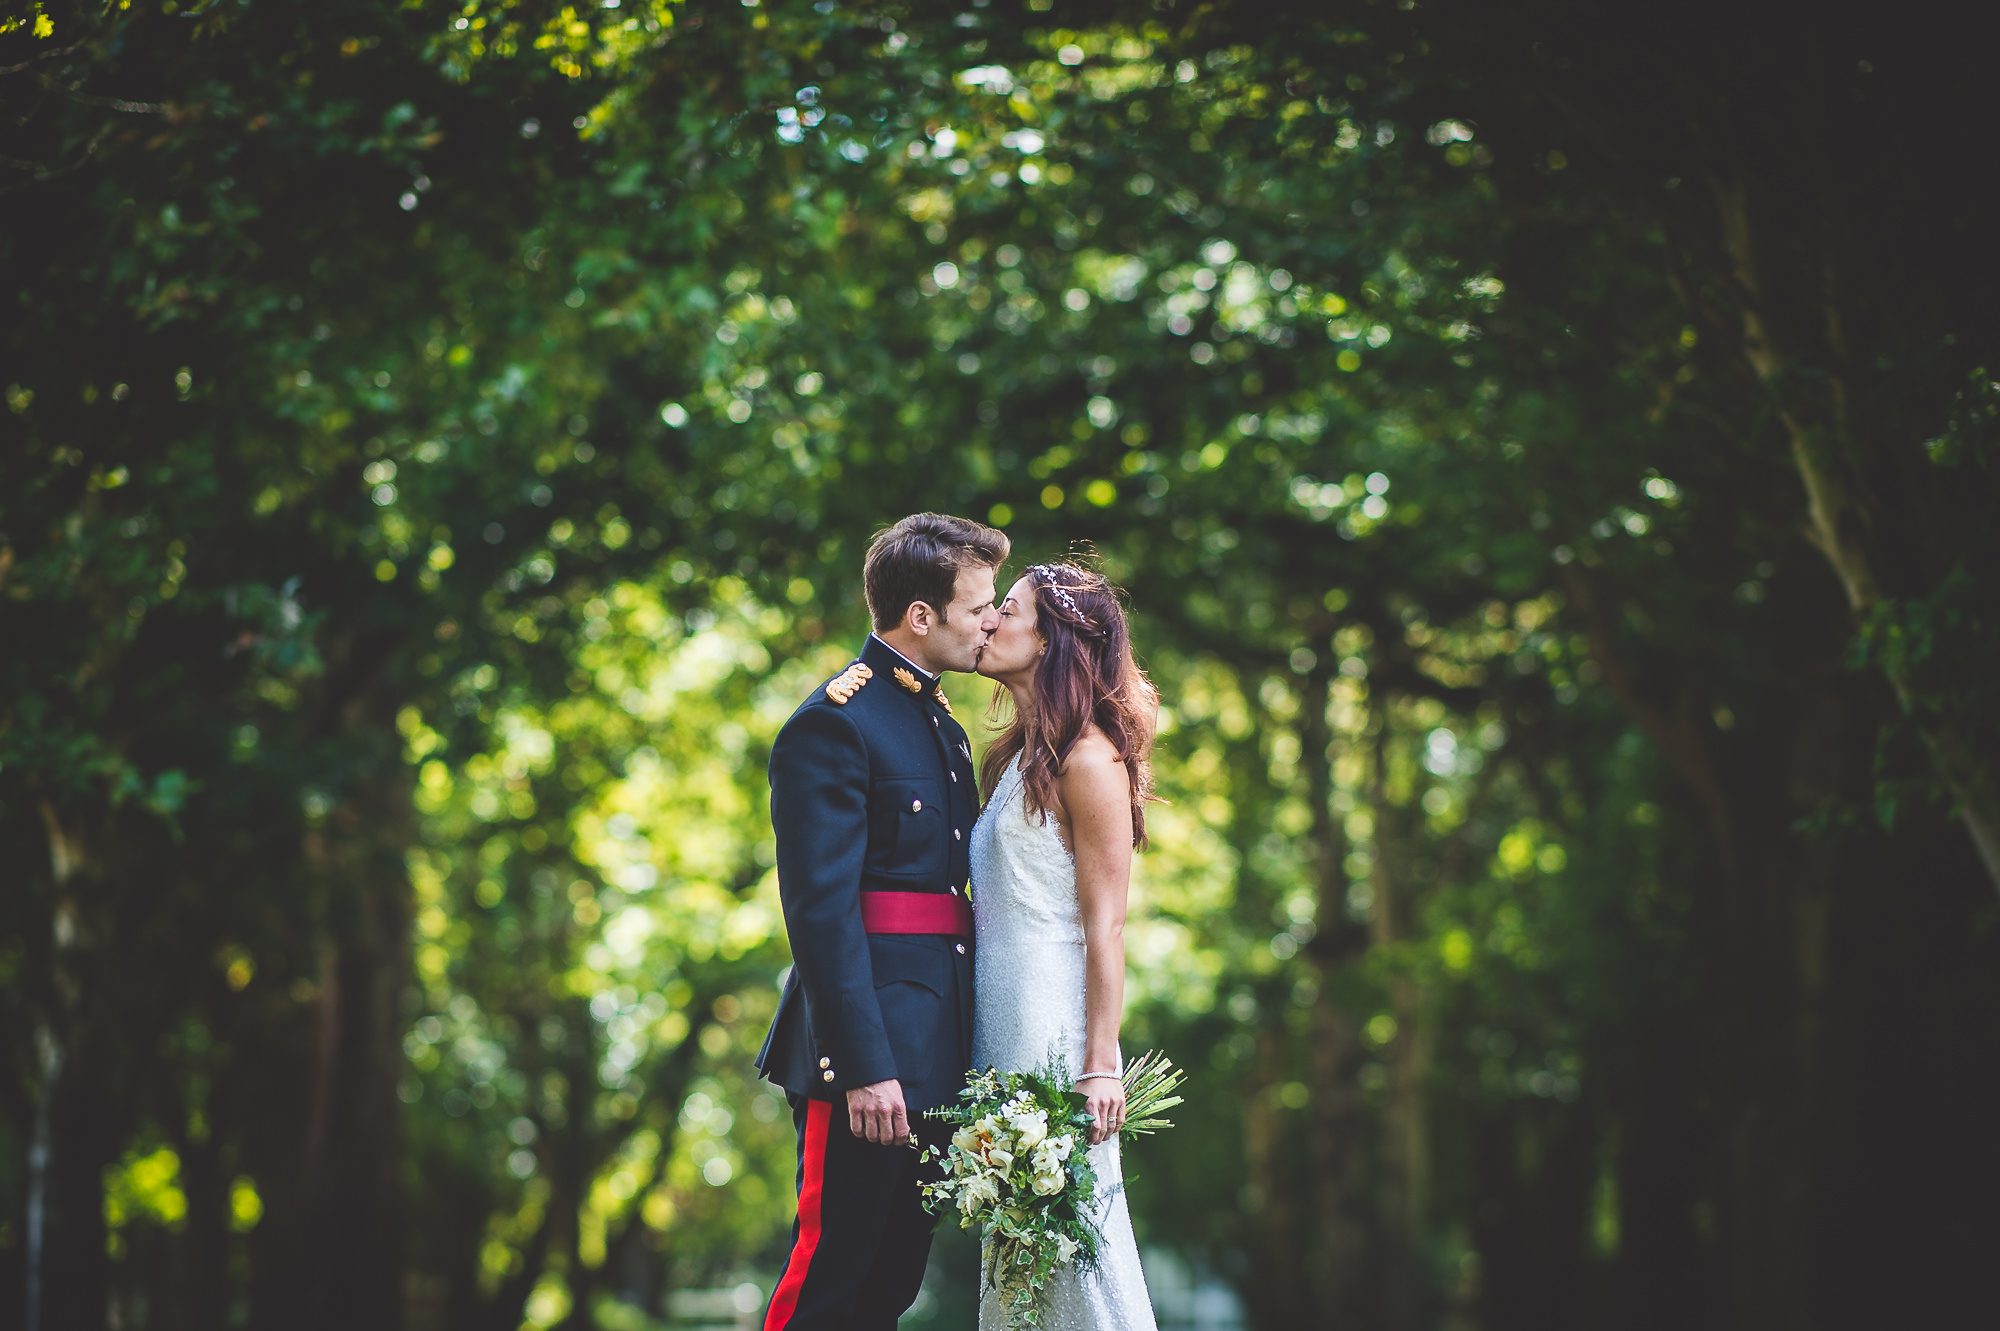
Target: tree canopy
column 1550, row 453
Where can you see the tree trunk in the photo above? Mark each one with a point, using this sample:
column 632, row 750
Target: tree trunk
column 350, row 1254
column 1338, row 1135
column 196, row 1292
column 41, row 1153
column 1841, row 518
column 1405, row 1140
column 75, row 1271
column 67, row 1270
column 1779, row 1032
column 1279, row 1294
column 1767, row 910
column 1337, row 1147
column 1664, row 1277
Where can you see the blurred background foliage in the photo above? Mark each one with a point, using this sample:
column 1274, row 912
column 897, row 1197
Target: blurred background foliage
column 1550, row 452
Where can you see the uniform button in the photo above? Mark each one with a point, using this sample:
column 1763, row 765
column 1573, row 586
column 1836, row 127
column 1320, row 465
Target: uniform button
column 955, row 836
column 961, row 948
column 826, row 1076
column 954, row 776
column 934, row 721
column 916, row 806
column 826, row 1062
column 954, row 891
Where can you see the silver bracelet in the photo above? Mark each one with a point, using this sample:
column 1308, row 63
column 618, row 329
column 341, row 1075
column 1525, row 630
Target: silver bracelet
column 1091, row 1076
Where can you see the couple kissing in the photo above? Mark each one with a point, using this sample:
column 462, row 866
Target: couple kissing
column 882, row 842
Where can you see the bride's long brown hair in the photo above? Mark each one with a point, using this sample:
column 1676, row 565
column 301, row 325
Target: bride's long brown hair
column 1087, row 674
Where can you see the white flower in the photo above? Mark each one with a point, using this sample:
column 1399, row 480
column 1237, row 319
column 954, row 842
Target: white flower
column 1029, row 1128
column 1054, row 1151
column 1066, row 1249
column 979, row 1192
column 1000, row 1158
column 966, row 1139
column 1049, row 1182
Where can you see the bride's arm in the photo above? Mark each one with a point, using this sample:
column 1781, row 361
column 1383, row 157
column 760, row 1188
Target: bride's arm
column 1096, row 796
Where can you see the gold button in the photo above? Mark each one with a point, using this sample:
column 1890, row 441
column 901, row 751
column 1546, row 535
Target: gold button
column 916, row 806
column 826, row 1062
column 826, row 1076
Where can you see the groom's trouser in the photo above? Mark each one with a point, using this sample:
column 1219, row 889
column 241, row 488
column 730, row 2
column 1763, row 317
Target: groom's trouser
column 862, row 1236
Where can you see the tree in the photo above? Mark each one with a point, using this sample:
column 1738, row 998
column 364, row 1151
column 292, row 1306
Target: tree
column 446, row 443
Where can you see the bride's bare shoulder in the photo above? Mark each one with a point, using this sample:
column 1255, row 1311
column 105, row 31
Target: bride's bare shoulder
column 1095, row 758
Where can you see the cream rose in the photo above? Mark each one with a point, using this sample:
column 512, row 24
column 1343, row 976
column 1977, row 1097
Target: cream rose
column 1029, row 1129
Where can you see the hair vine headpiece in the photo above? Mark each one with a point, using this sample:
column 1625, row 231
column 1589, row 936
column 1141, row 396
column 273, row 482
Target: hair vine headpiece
column 1045, row 575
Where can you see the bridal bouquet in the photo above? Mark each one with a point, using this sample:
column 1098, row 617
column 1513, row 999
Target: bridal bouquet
column 1018, row 1165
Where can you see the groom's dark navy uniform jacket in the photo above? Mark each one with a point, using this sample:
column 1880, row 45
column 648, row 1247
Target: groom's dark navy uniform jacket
column 872, row 801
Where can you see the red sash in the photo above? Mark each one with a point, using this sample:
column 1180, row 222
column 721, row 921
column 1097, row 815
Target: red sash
column 916, row 913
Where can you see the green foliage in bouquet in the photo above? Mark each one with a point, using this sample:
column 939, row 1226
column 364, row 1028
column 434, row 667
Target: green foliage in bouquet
column 1150, row 1082
column 1019, row 1166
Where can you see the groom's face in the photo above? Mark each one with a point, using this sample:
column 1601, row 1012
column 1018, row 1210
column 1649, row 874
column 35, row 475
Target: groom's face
column 967, row 623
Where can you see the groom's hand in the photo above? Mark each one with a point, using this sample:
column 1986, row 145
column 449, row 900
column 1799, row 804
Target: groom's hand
column 876, row 1113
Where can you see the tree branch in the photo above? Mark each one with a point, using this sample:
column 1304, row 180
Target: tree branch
column 46, row 55
column 92, row 99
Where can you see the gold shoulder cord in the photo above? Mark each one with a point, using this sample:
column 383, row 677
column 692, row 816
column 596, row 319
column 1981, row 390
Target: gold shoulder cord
column 845, row 684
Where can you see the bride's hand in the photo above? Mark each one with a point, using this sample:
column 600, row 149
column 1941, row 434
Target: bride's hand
column 1104, row 1097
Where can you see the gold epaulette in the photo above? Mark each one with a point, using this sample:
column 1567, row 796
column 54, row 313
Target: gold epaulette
column 843, row 685
column 944, row 702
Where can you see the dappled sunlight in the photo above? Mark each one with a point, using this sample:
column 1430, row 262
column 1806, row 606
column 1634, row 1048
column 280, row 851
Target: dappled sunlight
column 444, row 443
column 662, row 938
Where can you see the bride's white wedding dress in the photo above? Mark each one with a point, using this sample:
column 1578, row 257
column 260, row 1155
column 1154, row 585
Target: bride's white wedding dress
column 1028, row 1003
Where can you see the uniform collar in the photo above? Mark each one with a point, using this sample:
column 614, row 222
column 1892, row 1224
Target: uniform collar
column 883, row 659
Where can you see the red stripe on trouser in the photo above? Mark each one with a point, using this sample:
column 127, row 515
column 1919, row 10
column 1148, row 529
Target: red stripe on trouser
column 818, row 1114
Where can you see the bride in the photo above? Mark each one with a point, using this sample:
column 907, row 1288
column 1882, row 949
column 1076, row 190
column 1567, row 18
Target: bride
column 1051, row 860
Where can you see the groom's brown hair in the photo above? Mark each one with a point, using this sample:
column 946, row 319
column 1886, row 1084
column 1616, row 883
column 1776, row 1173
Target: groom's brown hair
column 918, row 559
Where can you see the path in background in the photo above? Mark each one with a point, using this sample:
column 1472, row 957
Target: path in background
column 1185, row 1297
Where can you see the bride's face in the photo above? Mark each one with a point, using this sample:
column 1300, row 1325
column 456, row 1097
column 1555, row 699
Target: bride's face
column 1015, row 646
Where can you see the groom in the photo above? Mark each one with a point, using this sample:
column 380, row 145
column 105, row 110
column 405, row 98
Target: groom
column 872, row 799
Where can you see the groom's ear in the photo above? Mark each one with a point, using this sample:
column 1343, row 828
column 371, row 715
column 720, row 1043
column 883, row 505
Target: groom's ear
column 920, row 619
